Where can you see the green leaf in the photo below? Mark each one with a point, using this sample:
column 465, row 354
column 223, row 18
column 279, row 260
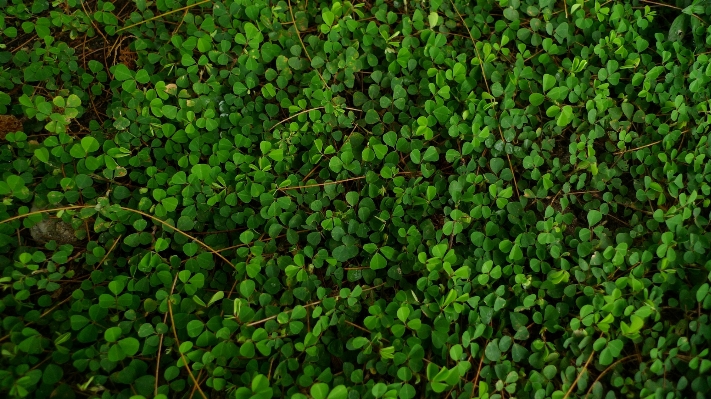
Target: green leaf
column 195, row 328
column 378, row 262
column 246, row 288
column 403, row 313
column 511, row 14
column 492, row 352
column 202, row 172
column 328, row 17
column 548, row 82
column 372, row 117
column 77, row 151
column 78, row 322
column 277, row 154
column 338, row 392
column 52, row 374
column 606, row 357
column 73, row 101
column 129, row 346
column 59, row 102
column 565, row 116
column 433, row 18
column 678, row 28
column 319, row 391
column 343, row 253
column 112, row 334
column 142, row 76
column 594, row 217
column 536, row 99
column 247, row 350
column 42, row 154
column 169, row 111
column 497, row 164
column 122, row 73
column 431, row 155
column 89, row 144
column 442, row 114
column 170, row 203
column 179, row 178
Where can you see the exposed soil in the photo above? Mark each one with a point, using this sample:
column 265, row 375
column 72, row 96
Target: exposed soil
column 9, row 124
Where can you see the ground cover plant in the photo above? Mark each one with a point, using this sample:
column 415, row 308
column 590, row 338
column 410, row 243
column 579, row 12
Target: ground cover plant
column 333, row 199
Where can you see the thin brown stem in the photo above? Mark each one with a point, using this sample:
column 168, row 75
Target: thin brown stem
column 267, row 240
column 107, row 254
column 294, row 116
column 638, row 148
column 154, row 218
column 565, row 7
column 607, row 370
column 162, row 15
column 575, row 383
column 669, row 6
column 160, row 349
column 357, row 326
column 336, row 182
column 177, row 341
column 296, row 28
column 483, row 75
column 258, row 322
column 93, row 23
column 476, row 377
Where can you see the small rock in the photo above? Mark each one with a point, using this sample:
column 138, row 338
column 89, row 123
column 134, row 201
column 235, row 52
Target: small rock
column 53, row 229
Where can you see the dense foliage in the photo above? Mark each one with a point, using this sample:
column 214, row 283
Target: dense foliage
column 323, row 199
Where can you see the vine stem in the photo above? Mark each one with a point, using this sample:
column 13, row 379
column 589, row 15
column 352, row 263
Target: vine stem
column 93, row 23
column 670, row 6
column 294, row 116
column 154, row 218
column 162, row 15
column 575, row 383
column 177, row 341
column 638, row 148
column 261, row 240
column 478, row 372
column 209, row 248
column 610, row 367
column 338, row 182
column 258, row 322
column 565, row 7
column 108, row 253
column 66, row 299
column 160, row 349
column 305, row 111
column 298, row 34
column 488, row 90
